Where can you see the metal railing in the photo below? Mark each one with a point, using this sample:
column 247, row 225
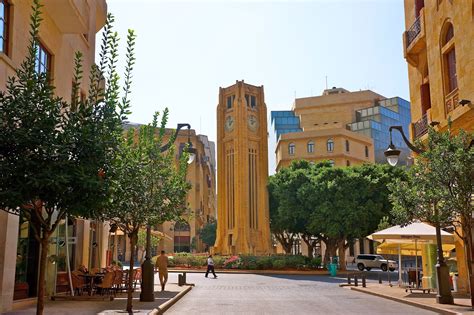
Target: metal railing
column 414, row 31
column 421, row 126
column 451, row 101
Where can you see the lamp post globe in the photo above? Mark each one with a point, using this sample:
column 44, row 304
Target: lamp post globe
column 392, row 154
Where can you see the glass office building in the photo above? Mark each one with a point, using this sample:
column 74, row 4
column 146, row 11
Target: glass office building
column 285, row 121
column 375, row 121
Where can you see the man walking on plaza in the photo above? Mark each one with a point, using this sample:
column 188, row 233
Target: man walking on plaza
column 162, row 264
column 210, row 266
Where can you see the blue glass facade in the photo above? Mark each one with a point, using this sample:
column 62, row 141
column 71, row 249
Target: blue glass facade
column 375, row 121
column 285, row 121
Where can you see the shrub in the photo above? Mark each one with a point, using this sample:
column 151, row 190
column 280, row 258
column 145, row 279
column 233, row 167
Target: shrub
column 279, row 263
column 316, row 262
column 297, row 261
column 232, row 263
column 264, row 262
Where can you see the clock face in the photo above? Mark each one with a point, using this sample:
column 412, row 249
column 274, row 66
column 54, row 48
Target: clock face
column 229, row 123
column 252, row 122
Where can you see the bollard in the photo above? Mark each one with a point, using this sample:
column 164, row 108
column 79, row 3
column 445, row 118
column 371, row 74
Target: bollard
column 363, row 281
column 380, row 278
column 348, row 279
column 355, row 281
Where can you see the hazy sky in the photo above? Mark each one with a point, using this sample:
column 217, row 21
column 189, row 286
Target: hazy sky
column 186, row 50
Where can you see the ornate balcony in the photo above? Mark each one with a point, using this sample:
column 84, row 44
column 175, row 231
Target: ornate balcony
column 451, row 101
column 414, row 39
column 420, row 127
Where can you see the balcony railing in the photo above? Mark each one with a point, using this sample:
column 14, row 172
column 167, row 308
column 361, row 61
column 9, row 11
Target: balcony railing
column 414, row 31
column 421, row 126
column 451, row 101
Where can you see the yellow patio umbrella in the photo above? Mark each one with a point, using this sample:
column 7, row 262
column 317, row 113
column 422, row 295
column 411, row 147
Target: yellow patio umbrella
column 408, row 249
column 411, row 235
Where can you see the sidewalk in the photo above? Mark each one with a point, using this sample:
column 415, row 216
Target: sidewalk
column 462, row 304
column 163, row 300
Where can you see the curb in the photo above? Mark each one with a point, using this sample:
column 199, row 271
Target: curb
column 415, row 304
column 256, row 272
column 165, row 306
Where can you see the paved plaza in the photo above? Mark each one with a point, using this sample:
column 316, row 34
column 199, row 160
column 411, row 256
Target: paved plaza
column 280, row 294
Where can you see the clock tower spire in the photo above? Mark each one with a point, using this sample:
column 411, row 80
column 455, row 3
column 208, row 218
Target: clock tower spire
column 242, row 171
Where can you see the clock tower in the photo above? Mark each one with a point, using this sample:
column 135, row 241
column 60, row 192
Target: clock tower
column 243, row 224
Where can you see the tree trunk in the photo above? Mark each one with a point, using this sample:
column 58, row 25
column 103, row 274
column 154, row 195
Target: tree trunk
column 310, row 246
column 342, row 254
column 331, row 247
column 130, row 273
column 42, row 274
column 286, row 242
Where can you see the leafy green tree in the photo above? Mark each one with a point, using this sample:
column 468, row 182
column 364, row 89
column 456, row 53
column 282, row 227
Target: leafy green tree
column 55, row 155
column 348, row 203
column 141, row 243
column 439, row 187
column 208, row 233
column 283, row 200
column 147, row 187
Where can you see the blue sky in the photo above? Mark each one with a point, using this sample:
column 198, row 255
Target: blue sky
column 186, row 50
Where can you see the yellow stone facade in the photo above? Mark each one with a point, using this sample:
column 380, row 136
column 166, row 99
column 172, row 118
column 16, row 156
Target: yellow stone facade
column 242, row 160
column 438, row 47
column 67, row 27
column 324, row 119
column 201, row 199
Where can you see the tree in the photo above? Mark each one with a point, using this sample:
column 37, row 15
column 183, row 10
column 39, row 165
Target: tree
column 439, row 187
column 208, row 233
column 147, row 187
column 348, row 203
column 55, row 155
column 285, row 223
column 141, row 243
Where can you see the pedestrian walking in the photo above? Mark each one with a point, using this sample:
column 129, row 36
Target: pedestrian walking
column 210, row 266
column 162, row 265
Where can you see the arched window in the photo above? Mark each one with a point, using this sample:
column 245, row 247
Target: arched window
column 330, row 145
column 182, row 226
column 449, row 58
column 366, row 151
column 348, row 163
column 291, row 149
column 310, row 147
column 331, row 162
column 347, row 146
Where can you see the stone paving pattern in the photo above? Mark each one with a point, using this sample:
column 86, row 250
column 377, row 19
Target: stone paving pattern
column 281, row 294
column 95, row 307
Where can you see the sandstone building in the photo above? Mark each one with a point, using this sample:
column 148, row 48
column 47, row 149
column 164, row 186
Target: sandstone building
column 438, row 47
column 67, row 27
column 346, row 128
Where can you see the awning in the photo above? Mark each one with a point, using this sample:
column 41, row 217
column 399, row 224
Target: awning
column 408, row 249
column 421, row 232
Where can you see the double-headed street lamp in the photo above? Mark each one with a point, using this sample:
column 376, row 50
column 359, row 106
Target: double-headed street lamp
column 444, row 295
column 148, row 275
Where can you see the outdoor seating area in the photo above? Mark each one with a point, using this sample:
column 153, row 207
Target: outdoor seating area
column 103, row 281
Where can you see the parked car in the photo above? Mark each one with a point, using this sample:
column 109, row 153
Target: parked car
column 375, row 261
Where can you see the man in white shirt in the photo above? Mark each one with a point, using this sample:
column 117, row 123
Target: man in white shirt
column 210, row 266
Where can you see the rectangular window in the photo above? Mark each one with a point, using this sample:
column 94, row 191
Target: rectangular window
column 451, row 63
column 43, row 59
column 247, row 99
column 253, row 101
column 230, row 101
column 4, row 29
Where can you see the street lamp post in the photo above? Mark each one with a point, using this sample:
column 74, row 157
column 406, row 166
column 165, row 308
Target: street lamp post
column 444, row 295
column 148, row 277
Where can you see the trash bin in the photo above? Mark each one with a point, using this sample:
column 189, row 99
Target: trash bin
column 332, row 268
